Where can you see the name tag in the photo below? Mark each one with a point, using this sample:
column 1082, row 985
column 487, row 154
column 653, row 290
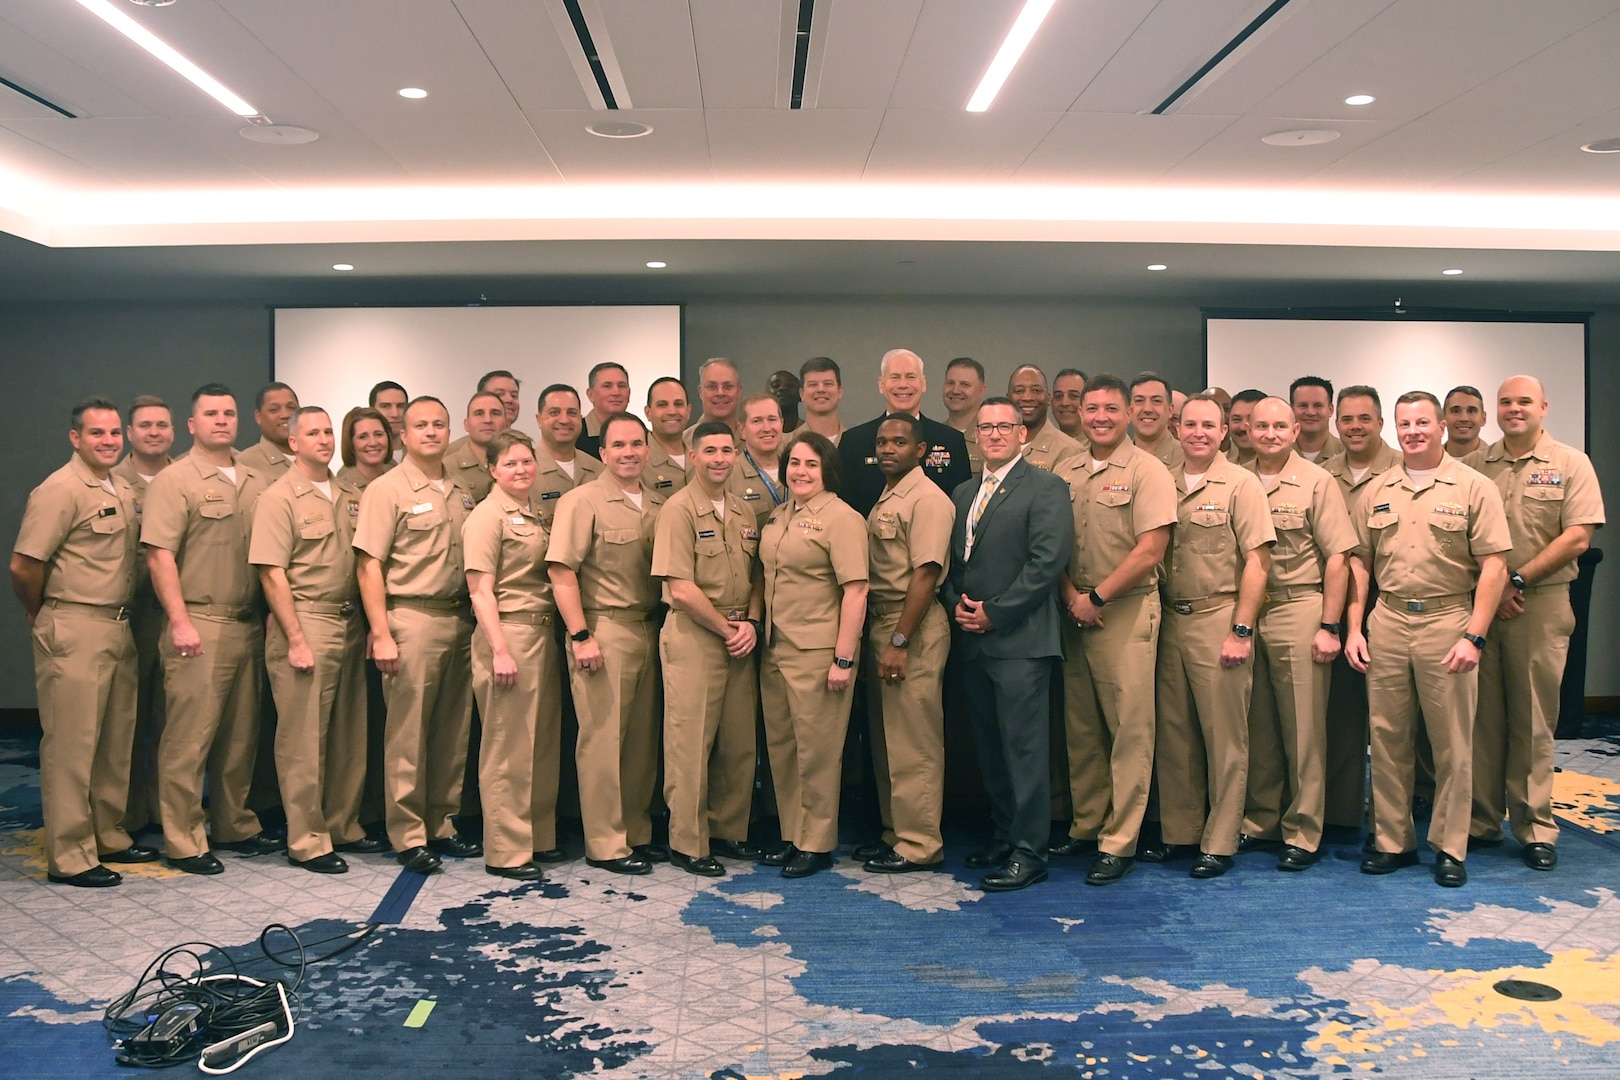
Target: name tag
column 516, row 519
column 1381, row 508
column 705, row 534
column 213, row 496
column 750, row 495
column 107, row 511
column 421, row 508
column 550, row 495
column 662, row 482
column 870, row 461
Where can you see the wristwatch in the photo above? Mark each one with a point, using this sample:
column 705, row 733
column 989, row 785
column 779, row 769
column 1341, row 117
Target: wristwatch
column 1476, row 640
column 758, row 625
column 1516, row 579
column 1336, row 629
column 1243, row 630
column 899, row 640
column 582, row 634
column 1096, row 600
column 843, row 662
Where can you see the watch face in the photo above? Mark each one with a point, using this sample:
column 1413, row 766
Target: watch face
column 898, row 641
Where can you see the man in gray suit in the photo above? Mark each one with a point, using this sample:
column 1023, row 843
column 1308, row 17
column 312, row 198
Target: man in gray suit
column 1010, row 544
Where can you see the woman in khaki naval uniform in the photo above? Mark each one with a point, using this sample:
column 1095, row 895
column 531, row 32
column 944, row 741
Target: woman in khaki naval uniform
column 367, row 448
column 514, row 660
column 814, row 551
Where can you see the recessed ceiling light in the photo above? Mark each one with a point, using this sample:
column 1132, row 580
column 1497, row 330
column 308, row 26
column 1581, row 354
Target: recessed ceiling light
column 1012, row 49
column 1603, row 146
column 278, row 134
column 1451, row 271
column 1300, row 137
column 413, row 92
column 153, row 3
column 343, row 266
column 140, row 35
column 1157, row 266
column 618, row 129
column 1360, row 99
column 656, row 265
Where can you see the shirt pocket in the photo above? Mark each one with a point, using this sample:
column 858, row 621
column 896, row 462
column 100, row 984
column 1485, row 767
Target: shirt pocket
column 1383, row 520
column 215, row 511
column 885, row 530
column 316, row 530
column 1287, row 522
column 1210, row 532
column 620, row 536
column 108, row 525
column 426, row 521
column 1113, row 498
column 1543, row 504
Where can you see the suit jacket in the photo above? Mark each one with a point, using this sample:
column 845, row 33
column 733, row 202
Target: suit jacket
column 1020, row 549
column 946, row 464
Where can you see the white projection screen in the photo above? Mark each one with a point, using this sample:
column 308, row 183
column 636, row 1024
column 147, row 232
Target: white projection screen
column 333, row 356
column 1397, row 355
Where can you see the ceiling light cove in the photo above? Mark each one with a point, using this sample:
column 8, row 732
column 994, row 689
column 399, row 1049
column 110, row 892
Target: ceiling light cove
column 1360, row 99
column 140, row 35
column 1603, row 146
column 1012, row 50
column 415, row 93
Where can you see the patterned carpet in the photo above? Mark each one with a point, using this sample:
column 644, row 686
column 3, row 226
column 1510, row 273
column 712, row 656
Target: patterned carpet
column 1323, row 973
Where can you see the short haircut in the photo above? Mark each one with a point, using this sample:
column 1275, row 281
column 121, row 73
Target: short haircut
column 1246, row 396
column 1036, row 368
column 918, row 433
column 504, row 441
column 212, row 389
column 146, row 401
column 622, row 418
column 1105, row 381
column 1069, row 372
column 86, row 404
column 1464, row 389
column 755, row 399
column 425, row 399
column 1204, row 395
column 305, row 410
column 1145, row 377
column 656, row 383
column 896, row 354
column 556, row 388
column 713, row 360
column 351, row 420
column 269, row 388
column 386, row 384
column 832, row 474
column 499, row 373
column 1362, row 390
column 1306, row 381
column 1412, row 397
column 818, row 364
column 496, row 398
column 967, row 362
column 999, row 399
column 606, row 365
column 710, row 428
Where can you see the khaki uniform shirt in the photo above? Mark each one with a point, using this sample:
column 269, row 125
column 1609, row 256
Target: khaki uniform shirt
column 414, row 531
column 1331, row 447
column 1239, row 456
column 1428, row 543
column 1311, row 521
column 1168, row 452
column 1543, row 493
column 1131, row 495
column 600, row 535
column 193, row 510
column 84, row 534
column 745, row 483
column 908, row 528
column 352, row 476
column 298, row 529
column 662, row 474
column 143, row 576
column 265, row 458
column 1216, row 526
column 1353, row 490
column 506, row 538
column 551, row 483
column 808, row 555
column 694, row 544
column 1051, row 449
column 470, row 466
column 975, row 455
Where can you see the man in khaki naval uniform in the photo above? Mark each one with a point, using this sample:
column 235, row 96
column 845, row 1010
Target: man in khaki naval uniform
column 1312, row 401
column 600, row 561
column 1068, row 394
column 466, row 458
column 414, row 588
column 1153, row 418
column 1124, row 504
column 1428, row 532
column 706, row 552
column 607, row 388
column 560, row 467
column 273, row 411
column 194, row 527
column 1046, row 447
column 314, row 652
column 1553, row 507
column 964, row 389
column 719, row 391
column 821, row 389
column 1301, row 627
column 667, row 414
column 908, row 637
column 73, row 568
column 756, row 478
column 1216, row 580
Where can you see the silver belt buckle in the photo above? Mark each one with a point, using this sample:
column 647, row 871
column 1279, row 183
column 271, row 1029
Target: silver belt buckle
column 1183, row 607
column 1416, row 605
column 346, row 608
column 736, row 615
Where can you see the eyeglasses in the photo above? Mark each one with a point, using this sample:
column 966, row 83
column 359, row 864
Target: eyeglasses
column 1003, row 428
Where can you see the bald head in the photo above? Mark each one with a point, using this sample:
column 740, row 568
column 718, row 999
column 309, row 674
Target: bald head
column 1521, row 408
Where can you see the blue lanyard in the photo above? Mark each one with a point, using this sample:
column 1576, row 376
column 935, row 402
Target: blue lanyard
column 770, row 488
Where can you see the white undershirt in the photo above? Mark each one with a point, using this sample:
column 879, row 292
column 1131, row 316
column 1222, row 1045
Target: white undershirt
column 1269, row 480
column 1358, row 475
column 324, row 487
column 678, row 460
column 1098, row 466
column 567, row 467
column 1422, row 478
column 438, row 485
column 719, row 508
column 1195, row 480
column 144, row 478
column 229, row 473
column 635, row 497
column 107, row 485
column 1311, row 455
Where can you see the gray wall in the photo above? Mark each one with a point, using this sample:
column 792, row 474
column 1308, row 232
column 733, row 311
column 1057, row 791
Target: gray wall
column 54, row 354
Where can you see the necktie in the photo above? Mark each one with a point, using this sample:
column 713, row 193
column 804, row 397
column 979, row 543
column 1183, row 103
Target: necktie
column 979, row 506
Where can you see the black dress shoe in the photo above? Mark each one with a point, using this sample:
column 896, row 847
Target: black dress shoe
column 733, row 849
column 97, row 877
column 366, row 845
column 254, row 845
column 993, row 856
column 875, row 850
column 627, row 865
column 135, row 853
column 892, row 862
column 651, row 853
column 1387, row 862
column 805, row 863
column 1020, row 872
column 1210, row 866
column 778, row 856
column 1536, row 856
column 1109, row 869
column 551, row 855
column 701, row 865
column 1160, row 852
column 206, row 863
column 456, row 846
column 419, row 860
column 1247, row 843
column 330, row 863
column 1071, row 846
column 1293, row 857
column 525, row 872
column 1448, row 872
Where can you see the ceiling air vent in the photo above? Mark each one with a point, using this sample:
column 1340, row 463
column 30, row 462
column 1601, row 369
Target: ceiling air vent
column 37, row 99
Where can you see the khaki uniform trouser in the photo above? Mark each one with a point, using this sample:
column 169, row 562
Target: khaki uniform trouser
column 1108, row 678
column 1201, row 753
column 425, row 738
column 146, row 623
column 805, row 724
column 709, row 705
column 1287, row 788
column 211, row 726
column 518, row 760
column 1406, row 672
column 908, row 734
column 617, row 753
column 320, row 742
column 1520, row 677
column 84, row 672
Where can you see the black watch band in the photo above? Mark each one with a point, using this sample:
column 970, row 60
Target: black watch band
column 758, row 625
column 1096, row 600
column 582, row 634
column 1336, row 629
column 1243, row 630
column 843, row 662
column 1476, row 640
column 1516, row 579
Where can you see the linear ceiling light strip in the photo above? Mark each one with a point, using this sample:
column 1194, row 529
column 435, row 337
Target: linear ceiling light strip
column 31, row 96
column 801, row 52
column 1215, row 61
column 165, row 52
column 592, row 57
column 1012, row 50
